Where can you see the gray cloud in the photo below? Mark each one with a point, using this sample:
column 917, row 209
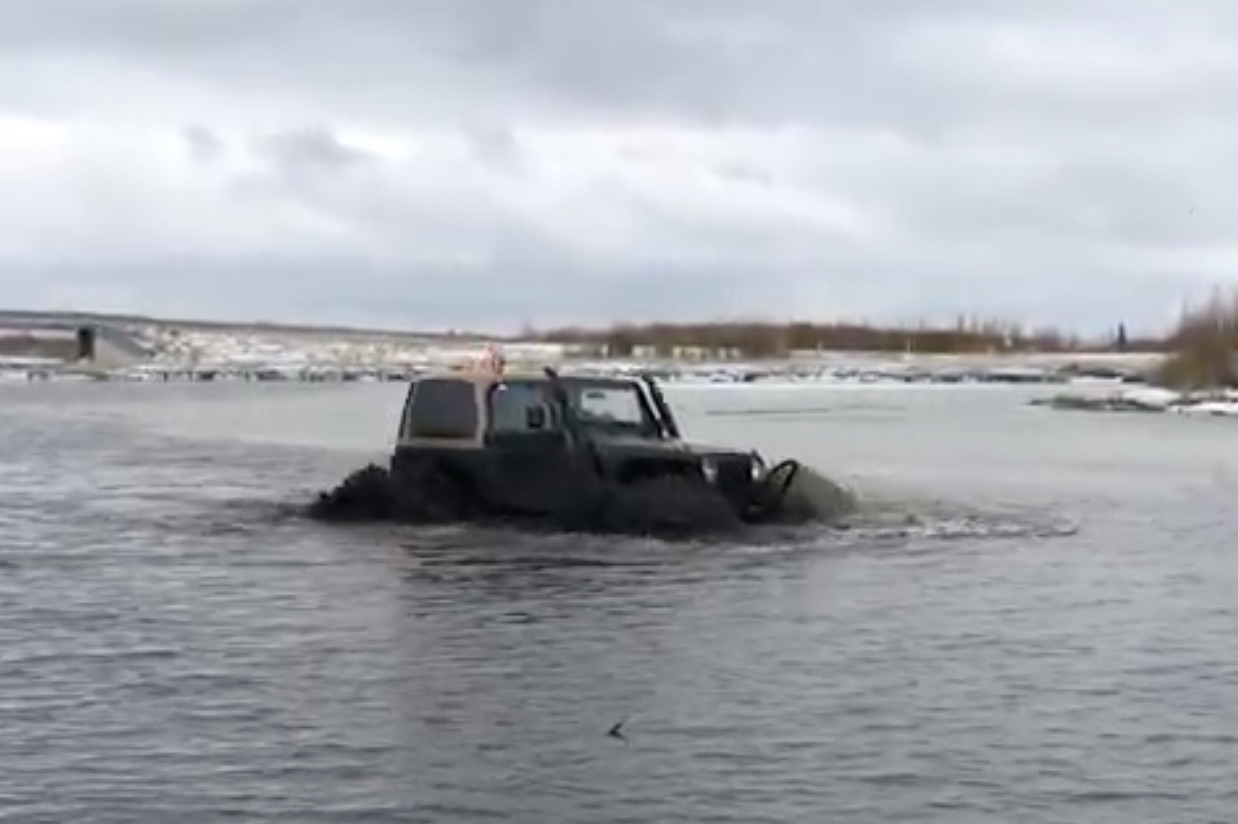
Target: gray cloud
column 203, row 144
column 559, row 160
column 308, row 150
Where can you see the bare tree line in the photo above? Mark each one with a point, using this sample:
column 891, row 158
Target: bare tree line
column 757, row 339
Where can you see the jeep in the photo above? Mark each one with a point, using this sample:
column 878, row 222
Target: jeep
column 579, row 451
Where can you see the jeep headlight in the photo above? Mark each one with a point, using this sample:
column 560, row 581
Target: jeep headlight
column 756, row 466
column 709, row 468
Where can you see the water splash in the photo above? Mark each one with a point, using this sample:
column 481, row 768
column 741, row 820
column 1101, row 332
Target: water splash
column 665, row 507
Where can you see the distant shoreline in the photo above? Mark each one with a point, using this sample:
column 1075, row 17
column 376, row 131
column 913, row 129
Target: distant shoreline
column 36, row 318
column 48, row 346
column 758, row 340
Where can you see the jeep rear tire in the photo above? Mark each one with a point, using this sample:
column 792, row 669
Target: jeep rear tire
column 423, row 491
column 365, row 495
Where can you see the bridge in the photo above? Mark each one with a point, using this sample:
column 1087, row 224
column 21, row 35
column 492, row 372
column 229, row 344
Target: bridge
column 67, row 341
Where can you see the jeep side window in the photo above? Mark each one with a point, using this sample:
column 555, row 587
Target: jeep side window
column 510, row 404
column 441, row 408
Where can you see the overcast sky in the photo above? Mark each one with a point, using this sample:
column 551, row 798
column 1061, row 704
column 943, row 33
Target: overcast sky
column 502, row 162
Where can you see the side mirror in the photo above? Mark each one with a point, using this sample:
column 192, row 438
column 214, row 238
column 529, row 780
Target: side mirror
column 535, row 417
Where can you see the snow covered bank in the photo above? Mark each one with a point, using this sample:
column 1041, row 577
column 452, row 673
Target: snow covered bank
column 1148, row 399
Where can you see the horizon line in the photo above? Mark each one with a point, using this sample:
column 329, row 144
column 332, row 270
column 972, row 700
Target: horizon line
column 973, row 321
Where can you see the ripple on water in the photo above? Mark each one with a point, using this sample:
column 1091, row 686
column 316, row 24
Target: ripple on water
column 176, row 643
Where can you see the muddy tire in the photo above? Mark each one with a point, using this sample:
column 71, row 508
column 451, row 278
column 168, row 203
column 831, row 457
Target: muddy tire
column 425, row 492
column 365, row 495
column 666, row 507
column 420, row 493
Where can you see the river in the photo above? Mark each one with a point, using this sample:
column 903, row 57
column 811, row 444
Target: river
column 1035, row 620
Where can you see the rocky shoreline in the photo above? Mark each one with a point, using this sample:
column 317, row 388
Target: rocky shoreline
column 825, row 369
column 1218, row 403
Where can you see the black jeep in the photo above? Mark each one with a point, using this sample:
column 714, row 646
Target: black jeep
column 574, row 452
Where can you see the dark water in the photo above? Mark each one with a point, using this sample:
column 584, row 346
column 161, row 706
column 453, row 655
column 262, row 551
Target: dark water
column 1036, row 621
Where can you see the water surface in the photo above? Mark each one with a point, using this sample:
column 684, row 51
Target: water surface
column 1034, row 622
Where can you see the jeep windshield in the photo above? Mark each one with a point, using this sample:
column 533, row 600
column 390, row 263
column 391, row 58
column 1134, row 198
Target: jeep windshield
column 614, row 407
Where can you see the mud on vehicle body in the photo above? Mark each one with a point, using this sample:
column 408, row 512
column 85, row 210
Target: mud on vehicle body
column 579, row 452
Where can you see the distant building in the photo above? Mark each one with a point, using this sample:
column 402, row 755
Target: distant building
column 642, row 350
column 697, row 353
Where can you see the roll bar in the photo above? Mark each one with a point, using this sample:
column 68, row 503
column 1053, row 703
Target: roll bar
column 570, row 422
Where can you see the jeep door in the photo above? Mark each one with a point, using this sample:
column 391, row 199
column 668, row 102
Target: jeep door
column 533, row 466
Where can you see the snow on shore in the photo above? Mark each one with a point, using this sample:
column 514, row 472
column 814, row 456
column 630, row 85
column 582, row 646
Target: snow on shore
column 1149, row 399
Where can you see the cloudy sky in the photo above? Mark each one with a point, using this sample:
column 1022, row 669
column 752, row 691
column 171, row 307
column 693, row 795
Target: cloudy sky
column 501, row 162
